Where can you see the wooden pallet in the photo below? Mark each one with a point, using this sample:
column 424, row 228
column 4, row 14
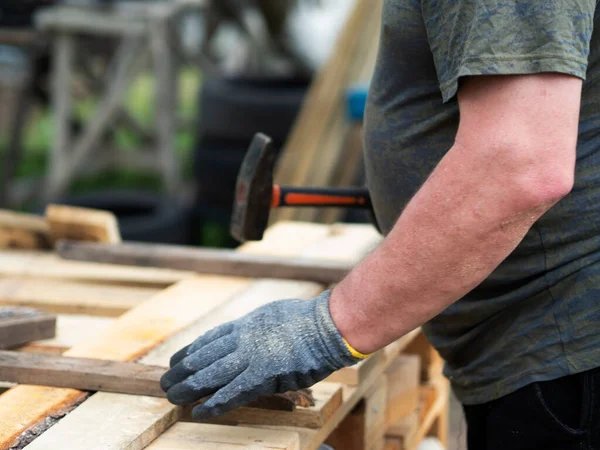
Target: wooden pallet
column 154, row 324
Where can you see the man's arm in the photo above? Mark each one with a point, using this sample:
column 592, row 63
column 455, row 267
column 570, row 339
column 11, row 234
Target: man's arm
column 513, row 158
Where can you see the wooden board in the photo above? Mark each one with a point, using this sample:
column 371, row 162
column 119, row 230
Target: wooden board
column 328, row 398
column 364, row 427
column 187, row 436
column 131, row 336
column 21, row 325
column 82, row 224
column 318, row 145
column 152, row 416
column 23, row 231
column 403, row 387
column 28, row 264
column 432, row 364
column 206, row 261
column 71, row 330
column 72, row 297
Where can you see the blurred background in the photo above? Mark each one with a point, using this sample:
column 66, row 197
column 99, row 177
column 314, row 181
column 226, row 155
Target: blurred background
column 146, row 108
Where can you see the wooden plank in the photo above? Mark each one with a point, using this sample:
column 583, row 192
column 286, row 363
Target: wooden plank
column 316, row 146
column 82, row 224
column 72, row 297
column 148, row 417
column 21, row 325
column 403, row 387
column 71, row 330
column 328, row 398
column 22, row 263
column 85, row 374
column 364, row 428
column 23, row 231
column 90, row 374
column 131, row 336
column 187, row 436
column 206, row 261
column 432, row 364
column 434, row 398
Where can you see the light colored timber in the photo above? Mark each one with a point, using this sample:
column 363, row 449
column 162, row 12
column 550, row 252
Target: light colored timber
column 82, row 224
column 131, row 336
column 23, row 231
column 403, row 387
column 22, row 263
column 316, row 148
column 188, row 436
column 148, row 417
column 71, row 330
column 72, row 297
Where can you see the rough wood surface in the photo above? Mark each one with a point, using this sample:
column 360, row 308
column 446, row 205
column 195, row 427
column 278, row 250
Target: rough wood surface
column 82, row 224
column 72, row 297
column 89, row 374
column 23, row 263
column 131, row 336
column 188, row 436
column 403, row 387
column 206, row 261
column 21, row 325
column 148, row 417
column 71, row 330
column 23, row 231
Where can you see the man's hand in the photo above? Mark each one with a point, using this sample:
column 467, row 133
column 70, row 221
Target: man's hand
column 283, row 346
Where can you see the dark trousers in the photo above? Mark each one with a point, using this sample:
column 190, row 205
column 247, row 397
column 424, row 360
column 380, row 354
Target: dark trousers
column 562, row 414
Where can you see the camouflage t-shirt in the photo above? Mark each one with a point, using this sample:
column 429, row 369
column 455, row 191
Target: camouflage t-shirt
column 537, row 317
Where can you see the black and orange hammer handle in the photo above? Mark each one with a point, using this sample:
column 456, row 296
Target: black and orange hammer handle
column 308, row 196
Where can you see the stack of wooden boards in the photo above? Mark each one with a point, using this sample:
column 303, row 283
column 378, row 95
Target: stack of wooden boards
column 145, row 314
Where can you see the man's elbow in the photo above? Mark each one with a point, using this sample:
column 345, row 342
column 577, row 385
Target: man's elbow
column 544, row 184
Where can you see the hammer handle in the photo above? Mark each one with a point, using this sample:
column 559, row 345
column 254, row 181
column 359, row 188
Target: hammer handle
column 320, row 197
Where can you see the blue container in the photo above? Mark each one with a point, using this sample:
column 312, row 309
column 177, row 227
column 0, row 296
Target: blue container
column 356, row 100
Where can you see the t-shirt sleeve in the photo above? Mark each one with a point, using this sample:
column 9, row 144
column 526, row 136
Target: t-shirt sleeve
column 504, row 37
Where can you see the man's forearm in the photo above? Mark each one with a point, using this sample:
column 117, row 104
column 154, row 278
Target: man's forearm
column 463, row 222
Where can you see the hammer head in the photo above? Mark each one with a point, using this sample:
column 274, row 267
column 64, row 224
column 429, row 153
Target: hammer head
column 254, row 191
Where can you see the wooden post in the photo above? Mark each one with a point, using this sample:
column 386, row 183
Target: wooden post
column 166, row 97
column 64, row 50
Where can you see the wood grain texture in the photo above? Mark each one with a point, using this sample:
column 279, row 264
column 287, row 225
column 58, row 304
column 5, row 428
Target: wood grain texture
column 187, row 436
column 128, row 338
column 153, row 416
column 21, row 325
column 86, row 374
column 82, row 224
column 89, row 374
column 23, row 231
column 403, row 387
column 28, row 264
column 71, row 330
column 206, row 261
column 72, row 297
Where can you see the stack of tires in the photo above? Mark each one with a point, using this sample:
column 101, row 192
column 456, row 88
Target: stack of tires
column 232, row 110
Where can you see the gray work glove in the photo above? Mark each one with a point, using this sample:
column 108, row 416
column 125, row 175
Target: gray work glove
column 282, row 346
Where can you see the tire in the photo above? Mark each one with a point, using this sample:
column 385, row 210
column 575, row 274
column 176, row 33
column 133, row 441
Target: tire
column 237, row 108
column 142, row 216
column 216, row 167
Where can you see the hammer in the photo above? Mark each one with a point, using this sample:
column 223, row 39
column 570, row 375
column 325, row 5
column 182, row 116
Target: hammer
column 256, row 194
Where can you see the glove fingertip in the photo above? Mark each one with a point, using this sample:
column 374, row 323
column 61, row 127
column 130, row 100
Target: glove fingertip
column 178, row 356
